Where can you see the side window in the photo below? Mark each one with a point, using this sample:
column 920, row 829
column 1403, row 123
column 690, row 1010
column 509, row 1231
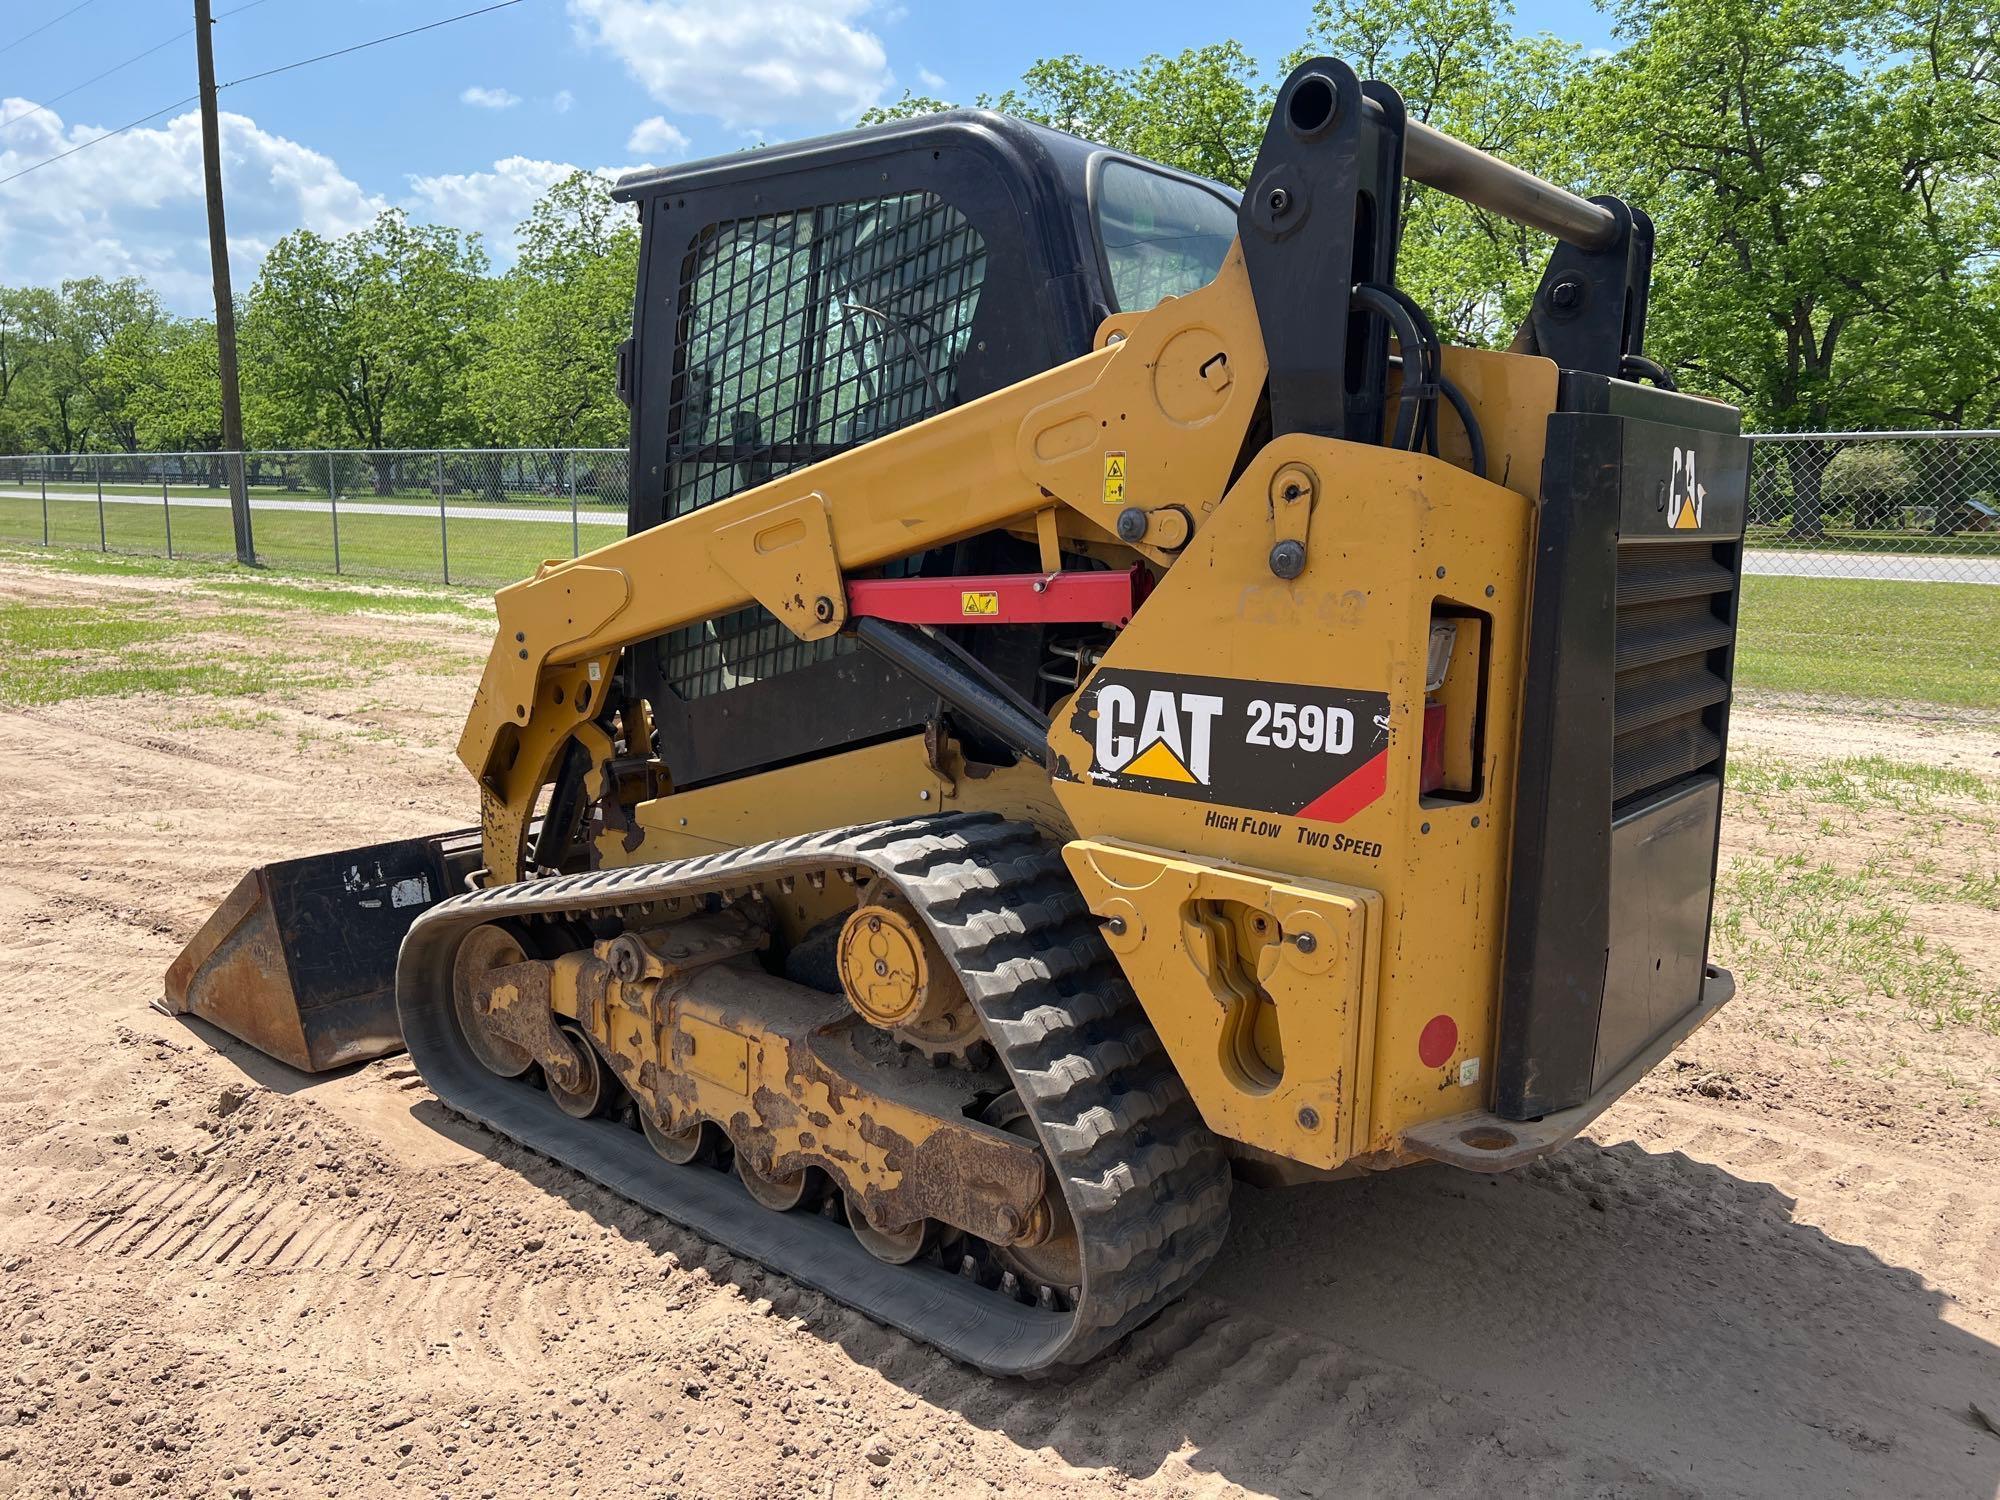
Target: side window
column 803, row 335
column 1162, row 236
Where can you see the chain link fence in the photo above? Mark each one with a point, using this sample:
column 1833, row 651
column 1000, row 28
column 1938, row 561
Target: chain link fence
column 1919, row 507
column 482, row 517
column 1893, row 506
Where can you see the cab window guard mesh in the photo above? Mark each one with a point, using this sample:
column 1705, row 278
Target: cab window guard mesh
column 803, row 335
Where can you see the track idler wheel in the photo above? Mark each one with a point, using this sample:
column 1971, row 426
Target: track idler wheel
column 484, row 948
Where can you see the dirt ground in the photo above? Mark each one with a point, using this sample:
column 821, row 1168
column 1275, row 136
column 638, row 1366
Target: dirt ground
column 1774, row 1269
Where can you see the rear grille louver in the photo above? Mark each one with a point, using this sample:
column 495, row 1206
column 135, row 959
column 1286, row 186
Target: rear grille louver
column 1675, row 614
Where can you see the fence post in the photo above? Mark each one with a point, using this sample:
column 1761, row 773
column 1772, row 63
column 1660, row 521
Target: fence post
column 97, row 469
column 333, row 503
column 444, row 528
column 575, row 523
column 45, row 505
column 167, row 509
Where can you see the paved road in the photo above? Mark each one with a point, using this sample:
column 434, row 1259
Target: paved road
column 357, row 507
column 1887, row 566
column 1884, row 566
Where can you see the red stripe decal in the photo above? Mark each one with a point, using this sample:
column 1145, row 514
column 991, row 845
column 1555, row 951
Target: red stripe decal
column 1351, row 793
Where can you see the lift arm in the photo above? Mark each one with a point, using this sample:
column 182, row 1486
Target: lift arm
column 1171, row 401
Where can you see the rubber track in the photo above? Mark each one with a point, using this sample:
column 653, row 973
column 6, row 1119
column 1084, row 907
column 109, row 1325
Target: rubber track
column 1146, row 1182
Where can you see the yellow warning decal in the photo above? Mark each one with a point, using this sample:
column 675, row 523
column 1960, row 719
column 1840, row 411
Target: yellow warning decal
column 1114, row 479
column 1160, row 763
column 979, row 602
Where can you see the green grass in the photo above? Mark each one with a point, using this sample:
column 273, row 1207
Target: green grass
column 422, row 498
column 484, row 552
column 1858, row 638
column 1848, row 861
column 152, row 644
column 1860, row 782
column 1837, row 935
column 56, row 653
column 1841, row 538
column 230, row 581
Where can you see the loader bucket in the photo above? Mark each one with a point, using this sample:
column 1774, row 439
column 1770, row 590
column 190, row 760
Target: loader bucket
column 300, row 960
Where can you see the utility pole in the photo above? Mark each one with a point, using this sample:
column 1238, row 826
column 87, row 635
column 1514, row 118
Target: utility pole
column 225, row 304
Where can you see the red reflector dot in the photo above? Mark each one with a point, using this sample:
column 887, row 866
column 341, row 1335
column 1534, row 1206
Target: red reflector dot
column 1438, row 1042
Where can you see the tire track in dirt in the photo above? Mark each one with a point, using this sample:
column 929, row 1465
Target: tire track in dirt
column 1734, row 1302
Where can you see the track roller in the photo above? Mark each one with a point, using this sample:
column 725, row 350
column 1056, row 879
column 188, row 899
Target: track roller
column 595, row 1090
column 678, row 1146
column 779, row 1194
column 897, row 1247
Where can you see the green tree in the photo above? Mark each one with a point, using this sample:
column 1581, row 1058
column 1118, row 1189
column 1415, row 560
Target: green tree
column 1202, row 110
column 1802, row 169
column 547, row 373
column 370, row 338
column 79, row 351
column 178, row 405
column 18, row 352
column 1462, row 68
column 114, row 331
column 909, row 107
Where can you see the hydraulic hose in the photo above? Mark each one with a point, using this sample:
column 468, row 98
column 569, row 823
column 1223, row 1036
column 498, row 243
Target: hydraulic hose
column 1378, row 301
column 1433, row 348
column 1474, row 438
column 1435, row 379
column 1638, row 367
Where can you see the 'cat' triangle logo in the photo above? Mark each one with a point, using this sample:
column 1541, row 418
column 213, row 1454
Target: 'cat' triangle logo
column 1160, row 763
column 1685, row 495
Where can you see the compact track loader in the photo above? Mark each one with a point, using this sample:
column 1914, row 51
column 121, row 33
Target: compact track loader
column 1095, row 693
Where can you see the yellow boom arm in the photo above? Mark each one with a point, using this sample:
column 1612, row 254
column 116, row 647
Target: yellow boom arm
column 1169, row 394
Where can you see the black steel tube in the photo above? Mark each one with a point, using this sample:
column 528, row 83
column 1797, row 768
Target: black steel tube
column 962, row 682
column 1448, row 164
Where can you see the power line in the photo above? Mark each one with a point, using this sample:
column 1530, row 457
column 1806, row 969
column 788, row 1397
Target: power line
column 99, row 140
column 395, row 36
column 30, row 35
column 47, row 104
column 248, row 78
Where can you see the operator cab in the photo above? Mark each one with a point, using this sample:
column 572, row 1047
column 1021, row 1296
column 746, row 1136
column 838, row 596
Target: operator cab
column 799, row 300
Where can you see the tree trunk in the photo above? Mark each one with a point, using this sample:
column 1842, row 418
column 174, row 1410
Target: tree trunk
column 1806, row 463
column 1950, row 510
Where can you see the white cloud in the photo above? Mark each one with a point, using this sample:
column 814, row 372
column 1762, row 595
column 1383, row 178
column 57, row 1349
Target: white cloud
column 745, row 62
column 562, row 101
column 132, row 205
column 657, row 138
column 932, row 81
column 485, row 98
column 492, row 202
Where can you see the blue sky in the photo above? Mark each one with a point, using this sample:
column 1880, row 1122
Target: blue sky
column 469, row 123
